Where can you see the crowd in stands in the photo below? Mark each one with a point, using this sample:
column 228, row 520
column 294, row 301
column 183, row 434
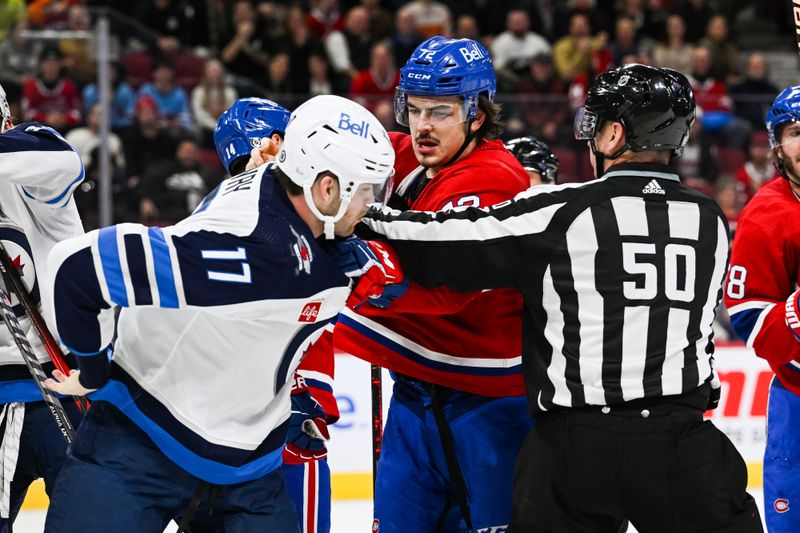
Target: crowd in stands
column 171, row 81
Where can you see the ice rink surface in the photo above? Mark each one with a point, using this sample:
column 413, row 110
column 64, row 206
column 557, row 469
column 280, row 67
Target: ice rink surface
column 349, row 516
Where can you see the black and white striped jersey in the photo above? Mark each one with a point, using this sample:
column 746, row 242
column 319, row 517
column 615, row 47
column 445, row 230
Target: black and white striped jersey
column 620, row 277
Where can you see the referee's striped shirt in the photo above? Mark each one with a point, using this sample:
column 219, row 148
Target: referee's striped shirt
column 620, row 277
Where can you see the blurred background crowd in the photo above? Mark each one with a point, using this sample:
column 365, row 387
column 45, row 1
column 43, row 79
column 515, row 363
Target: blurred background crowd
column 177, row 64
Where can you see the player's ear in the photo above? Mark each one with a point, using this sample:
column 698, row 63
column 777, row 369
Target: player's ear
column 477, row 122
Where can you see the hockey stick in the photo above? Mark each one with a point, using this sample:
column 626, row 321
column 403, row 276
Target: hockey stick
column 50, row 345
column 377, row 419
column 10, row 319
column 796, row 12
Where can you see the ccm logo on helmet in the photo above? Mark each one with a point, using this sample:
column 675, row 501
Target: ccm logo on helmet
column 471, row 55
column 359, row 129
column 415, row 76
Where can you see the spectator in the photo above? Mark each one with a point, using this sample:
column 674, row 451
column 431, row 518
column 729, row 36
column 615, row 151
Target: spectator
column 550, row 19
column 19, row 58
column 648, row 20
column 348, row 49
column 319, row 81
column 246, row 50
column 696, row 14
column 175, row 23
column 277, row 81
column 698, row 163
column 50, row 97
column 572, row 55
column 625, row 42
column 753, row 96
column 324, row 18
column 147, row 140
column 675, row 53
column 431, row 17
column 406, row 38
column 724, row 56
column 467, row 28
column 300, row 43
column 381, row 24
column 171, row 99
column 542, row 106
column 11, row 13
column 379, row 81
column 210, row 98
column 173, row 187
column 728, row 200
column 757, row 170
column 589, row 8
column 123, row 98
column 78, row 54
column 514, row 48
column 86, row 141
column 43, row 13
column 712, row 96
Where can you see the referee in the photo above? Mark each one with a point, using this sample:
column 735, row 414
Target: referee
column 620, row 277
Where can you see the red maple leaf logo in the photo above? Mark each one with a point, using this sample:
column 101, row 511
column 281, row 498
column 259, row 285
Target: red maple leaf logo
column 304, row 253
column 17, row 263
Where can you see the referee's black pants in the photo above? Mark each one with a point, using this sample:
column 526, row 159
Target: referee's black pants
column 589, row 471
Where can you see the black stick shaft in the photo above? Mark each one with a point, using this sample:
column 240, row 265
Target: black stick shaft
column 377, row 419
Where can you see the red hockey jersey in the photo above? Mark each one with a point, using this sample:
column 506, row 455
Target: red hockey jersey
column 466, row 341
column 763, row 273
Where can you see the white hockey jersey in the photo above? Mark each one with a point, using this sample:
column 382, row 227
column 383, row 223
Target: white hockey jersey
column 218, row 312
column 39, row 171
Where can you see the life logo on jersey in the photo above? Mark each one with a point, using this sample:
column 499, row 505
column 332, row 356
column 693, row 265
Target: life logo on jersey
column 19, row 250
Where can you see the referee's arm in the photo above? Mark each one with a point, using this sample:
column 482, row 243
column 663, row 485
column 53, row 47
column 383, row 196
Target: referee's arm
column 469, row 249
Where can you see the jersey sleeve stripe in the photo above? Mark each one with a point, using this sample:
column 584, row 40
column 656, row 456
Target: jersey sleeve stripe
column 162, row 262
column 757, row 327
column 750, row 304
column 112, row 270
column 137, row 269
column 69, row 188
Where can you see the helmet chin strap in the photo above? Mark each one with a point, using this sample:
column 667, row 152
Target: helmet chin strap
column 600, row 157
column 329, row 222
column 469, row 135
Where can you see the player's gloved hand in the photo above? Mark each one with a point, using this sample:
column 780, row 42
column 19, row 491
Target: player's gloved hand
column 793, row 314
column 380, row 291
column 308, row 431
column 354, row 257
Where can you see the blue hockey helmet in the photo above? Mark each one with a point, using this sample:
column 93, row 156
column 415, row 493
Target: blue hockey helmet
column 446, row 67
column 241, row 127
column 785, row 109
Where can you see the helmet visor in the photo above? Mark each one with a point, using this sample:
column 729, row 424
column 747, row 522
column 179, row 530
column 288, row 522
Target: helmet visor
column 437, row 111
column 585, row 124
column 371, row 195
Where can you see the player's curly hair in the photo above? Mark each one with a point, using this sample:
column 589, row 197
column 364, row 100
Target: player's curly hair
column 493, row 124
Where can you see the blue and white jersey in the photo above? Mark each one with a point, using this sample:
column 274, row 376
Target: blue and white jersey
column 218, row 311
column 39, row 171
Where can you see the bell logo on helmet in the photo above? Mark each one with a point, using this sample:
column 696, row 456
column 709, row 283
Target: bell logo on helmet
column 361, row 129
column 415, row 76
column 471, row 55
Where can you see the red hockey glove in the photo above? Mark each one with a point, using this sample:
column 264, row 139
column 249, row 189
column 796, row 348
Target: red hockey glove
column 308, row 431
column 380, row 286
column 793, row 314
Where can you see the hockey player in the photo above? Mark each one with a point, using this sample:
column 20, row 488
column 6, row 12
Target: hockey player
column 762, row 298
column 457, row 415
column 258, row 123
column 620, row 277
column 536, row 158
column 39, row 171
column 193, row 407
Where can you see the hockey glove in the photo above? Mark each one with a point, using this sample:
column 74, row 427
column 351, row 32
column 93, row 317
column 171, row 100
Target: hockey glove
column 793, row 314
column 307, row 431
column 383, row 282
column 355, row 257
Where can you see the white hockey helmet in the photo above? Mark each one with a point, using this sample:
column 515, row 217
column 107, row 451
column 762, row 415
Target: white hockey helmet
column 333, row 134
column 5, row 111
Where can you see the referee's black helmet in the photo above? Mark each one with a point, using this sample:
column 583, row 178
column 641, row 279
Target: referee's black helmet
column 655, row 105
